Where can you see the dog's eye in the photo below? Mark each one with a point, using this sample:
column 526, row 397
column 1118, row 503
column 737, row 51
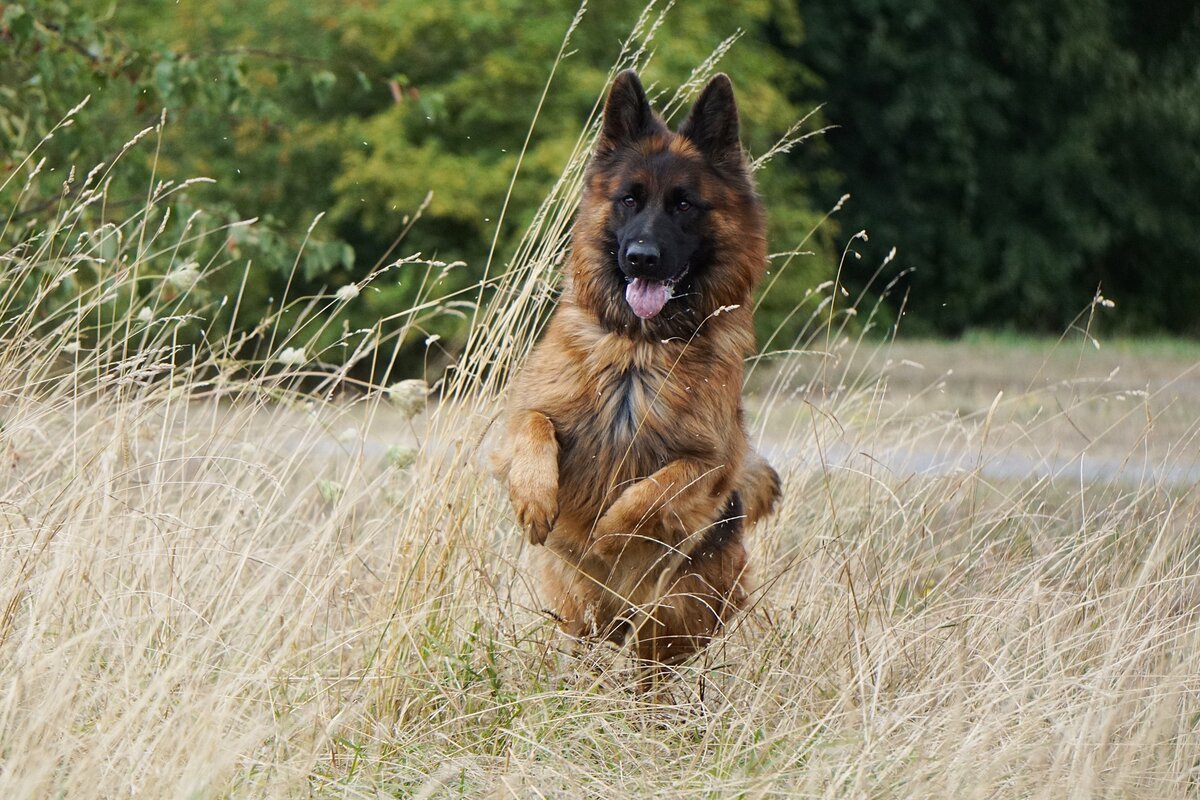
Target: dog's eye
column 629, row 201
column 683, row 205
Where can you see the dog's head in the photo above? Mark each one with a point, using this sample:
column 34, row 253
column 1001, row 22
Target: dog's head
column 670, row 228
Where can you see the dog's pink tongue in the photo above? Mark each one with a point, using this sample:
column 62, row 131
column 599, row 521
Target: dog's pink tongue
column 647, row 298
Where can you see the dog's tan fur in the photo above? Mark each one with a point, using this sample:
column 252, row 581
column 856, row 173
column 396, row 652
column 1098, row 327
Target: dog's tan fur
column 624, row 437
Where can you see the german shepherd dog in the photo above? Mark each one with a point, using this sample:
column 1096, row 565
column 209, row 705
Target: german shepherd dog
column 626, row 455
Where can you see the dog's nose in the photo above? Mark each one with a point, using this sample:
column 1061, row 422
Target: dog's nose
column 642, row 256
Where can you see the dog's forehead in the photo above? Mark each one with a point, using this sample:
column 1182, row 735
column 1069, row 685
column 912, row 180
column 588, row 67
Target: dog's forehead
column 663, row 164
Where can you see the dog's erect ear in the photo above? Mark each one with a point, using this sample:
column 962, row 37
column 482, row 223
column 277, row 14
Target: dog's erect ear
column 712, row 124
column 627, row 114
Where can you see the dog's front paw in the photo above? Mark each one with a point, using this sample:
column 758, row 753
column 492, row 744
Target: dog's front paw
column 618, row 526
column 608, row 541
column 534, row 496
column 536, row 514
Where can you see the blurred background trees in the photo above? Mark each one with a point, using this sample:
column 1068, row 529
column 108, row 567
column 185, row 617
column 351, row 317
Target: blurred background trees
column 1018, row 155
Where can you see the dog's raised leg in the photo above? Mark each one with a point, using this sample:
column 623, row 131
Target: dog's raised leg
column 533, row 473
column 681, row 492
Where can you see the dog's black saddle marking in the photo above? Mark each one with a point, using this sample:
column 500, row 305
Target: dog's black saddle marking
column 721, row 532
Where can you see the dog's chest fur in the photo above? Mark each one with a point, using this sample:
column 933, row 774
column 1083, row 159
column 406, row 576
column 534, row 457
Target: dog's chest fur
column 643, row 405
column 627, row 400
column 630, row 392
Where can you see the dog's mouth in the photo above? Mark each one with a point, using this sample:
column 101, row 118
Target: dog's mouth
column 647, row 297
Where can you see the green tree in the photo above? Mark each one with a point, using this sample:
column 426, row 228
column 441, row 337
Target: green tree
column 1017, row 154
column 367, row 114
column 455, row 91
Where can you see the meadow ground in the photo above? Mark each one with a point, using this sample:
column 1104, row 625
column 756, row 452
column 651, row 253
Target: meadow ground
column 260, row 592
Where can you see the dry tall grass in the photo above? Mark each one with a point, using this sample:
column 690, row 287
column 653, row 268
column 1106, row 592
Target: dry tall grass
column 217, row 584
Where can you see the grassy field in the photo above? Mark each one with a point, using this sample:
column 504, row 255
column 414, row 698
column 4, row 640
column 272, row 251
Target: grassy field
column 257, row 595
column 226, row 577
column 1073, row 408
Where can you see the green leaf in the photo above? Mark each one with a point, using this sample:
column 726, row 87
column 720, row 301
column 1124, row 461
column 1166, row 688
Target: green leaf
column 18, row 21
column 323, row 83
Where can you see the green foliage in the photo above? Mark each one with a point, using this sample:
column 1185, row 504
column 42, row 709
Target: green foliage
column 1018, row 154
column 458, row 88
column 401, row 123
